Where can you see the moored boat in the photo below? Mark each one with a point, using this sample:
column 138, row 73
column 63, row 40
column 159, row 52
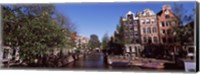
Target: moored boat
column 153, row 65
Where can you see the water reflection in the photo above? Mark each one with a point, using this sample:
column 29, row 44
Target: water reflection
column 91, row 61
column 96, row 61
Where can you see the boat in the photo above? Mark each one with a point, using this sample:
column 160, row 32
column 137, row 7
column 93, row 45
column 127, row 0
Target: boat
column 153, row 66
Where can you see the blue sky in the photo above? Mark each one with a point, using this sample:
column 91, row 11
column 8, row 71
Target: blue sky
column 101, row 18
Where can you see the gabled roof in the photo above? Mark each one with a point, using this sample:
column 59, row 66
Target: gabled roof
column 129, row 12
column 146, row 12
column 160, row 12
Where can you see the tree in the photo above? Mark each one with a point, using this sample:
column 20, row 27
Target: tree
column 184, row 18
column 182, row 32
column 33, row 29
column 114, row 47
column 105, row 41
column 94, row 41
column 65, row 22
column 119, row 35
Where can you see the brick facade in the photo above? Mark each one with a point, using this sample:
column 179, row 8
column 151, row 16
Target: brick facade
column 166, row 23
column 146, row 28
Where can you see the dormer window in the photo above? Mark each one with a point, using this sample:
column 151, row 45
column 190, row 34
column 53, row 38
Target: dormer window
column 167, row 16
column 130, row 16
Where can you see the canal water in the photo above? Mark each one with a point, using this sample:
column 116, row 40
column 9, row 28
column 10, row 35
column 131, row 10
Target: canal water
column 90, row 61
column 95, row 61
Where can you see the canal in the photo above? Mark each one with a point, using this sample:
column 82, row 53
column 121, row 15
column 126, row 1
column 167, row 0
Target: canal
column 95, row 61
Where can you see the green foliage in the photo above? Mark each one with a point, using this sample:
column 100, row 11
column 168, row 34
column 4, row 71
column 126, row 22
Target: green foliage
column 119, row 36
column 94, row 42
column 183, row 33
column 105, row 41
column 33, row 30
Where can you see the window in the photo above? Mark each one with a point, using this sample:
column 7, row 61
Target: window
column 164, row 40
column 167, row 16
column 163, row 31
column 152, row 21
column 167, row 23
column 149, row 30
column 148, row 21
column 137, row 41
column 145, row 39
column 144, row 30
column 163, row 24
column 168, row 31
column 149, row 40
column 155, row 39
column 5, row 53
column 135, row 22
column 135, row 48
column 135, row 29
column 131, row 22
column 130, row 49
column 142, row 21
column 154, row 30
column 130, row 17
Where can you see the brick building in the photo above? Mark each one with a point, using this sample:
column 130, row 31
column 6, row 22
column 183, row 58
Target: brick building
column 166, row 23
column 146, row 28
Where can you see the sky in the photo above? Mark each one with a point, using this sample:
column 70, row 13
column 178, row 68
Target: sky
column 102, row 18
